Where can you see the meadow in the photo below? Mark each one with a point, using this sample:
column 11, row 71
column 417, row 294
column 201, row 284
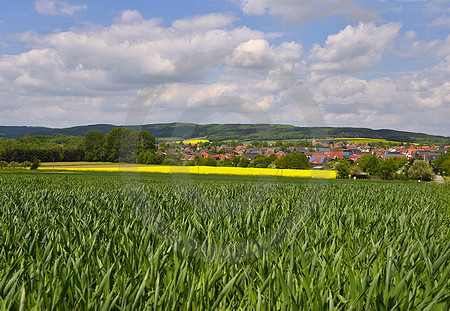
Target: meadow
column 91, row 240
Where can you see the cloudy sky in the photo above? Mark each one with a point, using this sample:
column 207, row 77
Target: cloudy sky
column 377, row 64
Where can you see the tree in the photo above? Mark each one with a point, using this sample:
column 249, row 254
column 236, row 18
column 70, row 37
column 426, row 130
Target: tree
column 355, row 170
column 343, row 168
column 3, row 164
column 244, row 162
column 13, row 164
column 443, row 164
column 146, row 141
column 169, row 160
column 25, row 164
column 262, row 161
column 293, row 161
column 93, row 145
column 421, row 170
column 369, row 164
column 388, row 167
column 209, row 161
column 36, row 164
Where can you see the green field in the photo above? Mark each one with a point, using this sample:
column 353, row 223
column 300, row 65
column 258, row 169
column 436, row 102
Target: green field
column 121, row 241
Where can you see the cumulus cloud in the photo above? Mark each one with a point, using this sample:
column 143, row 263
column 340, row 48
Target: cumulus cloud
column 410, row 47
column 414, row 102
column 354, row 49
column 112, row 63
column 56, row 7
column 303, row 11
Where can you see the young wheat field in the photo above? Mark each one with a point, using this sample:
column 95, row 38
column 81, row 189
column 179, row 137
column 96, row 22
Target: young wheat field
column 92, row 241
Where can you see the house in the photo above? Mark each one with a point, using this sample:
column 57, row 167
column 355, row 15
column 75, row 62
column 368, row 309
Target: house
column 316, row 161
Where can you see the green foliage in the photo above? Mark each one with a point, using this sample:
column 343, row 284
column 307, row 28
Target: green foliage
column 243, row 132
column 343, row 168
column 149, row 157
column 209, row 161
column 420, row 170
column 3, row 164
column 36, row 163
column 443, row 164
column 293, row 161
column 171, row 160
column 91, row 242
column 26, row 164
column 388, row 167
column 370, row 164
column 243, row 162
column 93, row 150
column 262, row 161
column 13, row 164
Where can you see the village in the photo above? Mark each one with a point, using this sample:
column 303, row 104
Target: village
column 320, row 154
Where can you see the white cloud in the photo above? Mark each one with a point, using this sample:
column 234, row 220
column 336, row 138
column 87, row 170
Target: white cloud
column 418, row 102
column 200, row 23
column 441, row 21
column 356, row 48
column 415, row 48
column 110, row 64
column 302, row 11
column 56, row 7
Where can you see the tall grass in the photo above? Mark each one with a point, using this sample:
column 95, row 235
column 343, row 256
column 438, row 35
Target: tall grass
column 70, row 241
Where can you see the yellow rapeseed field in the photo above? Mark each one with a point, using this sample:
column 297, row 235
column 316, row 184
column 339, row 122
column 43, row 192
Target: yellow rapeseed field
column 210, row 170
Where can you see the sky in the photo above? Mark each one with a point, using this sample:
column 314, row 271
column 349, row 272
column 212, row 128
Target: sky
column 376, row 64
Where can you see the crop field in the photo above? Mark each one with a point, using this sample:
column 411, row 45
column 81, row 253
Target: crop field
column 214, row 170
column 360, row 140
column 122, row 241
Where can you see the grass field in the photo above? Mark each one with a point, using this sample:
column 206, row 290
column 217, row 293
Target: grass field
column 90, row 240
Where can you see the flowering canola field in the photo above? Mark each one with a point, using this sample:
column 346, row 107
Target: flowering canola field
column 210, row 170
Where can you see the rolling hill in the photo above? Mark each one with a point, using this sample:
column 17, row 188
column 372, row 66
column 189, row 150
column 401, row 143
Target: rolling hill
column 244, row 132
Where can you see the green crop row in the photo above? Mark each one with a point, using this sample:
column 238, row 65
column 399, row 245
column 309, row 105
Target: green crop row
column 103, row 241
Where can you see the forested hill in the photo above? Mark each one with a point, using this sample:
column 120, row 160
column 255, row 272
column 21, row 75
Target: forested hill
column 244, row 132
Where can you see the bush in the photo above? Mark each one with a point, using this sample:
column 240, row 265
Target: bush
column 421, row 170
column 36, row 164
column 25, row 164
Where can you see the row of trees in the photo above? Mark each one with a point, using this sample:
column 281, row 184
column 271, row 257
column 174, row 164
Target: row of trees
column 120, row 144
column 391, row 168
column 290, row 161
column 13, row 164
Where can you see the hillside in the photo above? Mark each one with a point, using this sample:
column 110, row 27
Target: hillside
column 217, row 132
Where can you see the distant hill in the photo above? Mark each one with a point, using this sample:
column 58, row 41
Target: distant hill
column 243, row 132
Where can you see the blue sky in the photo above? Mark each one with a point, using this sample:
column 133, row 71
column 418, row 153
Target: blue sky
column 378, row 64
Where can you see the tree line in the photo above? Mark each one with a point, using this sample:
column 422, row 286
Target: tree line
column 118, row 145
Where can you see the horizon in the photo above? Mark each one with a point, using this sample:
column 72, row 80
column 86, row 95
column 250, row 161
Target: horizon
column 348, row 63
column 146, row 124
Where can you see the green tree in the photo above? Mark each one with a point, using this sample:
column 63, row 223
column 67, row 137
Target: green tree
column 146, row 141
column 244, row 162
column 421, row 170
column 172, row 161
column 388, row 167
column 13, row 164
column 93, row 150
column 443, row 164
column 370, row 164
column 36, row 164
column 25, row 164
column 3, row 164
column 293, row 161
column 209, row 161
column 343, row 168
